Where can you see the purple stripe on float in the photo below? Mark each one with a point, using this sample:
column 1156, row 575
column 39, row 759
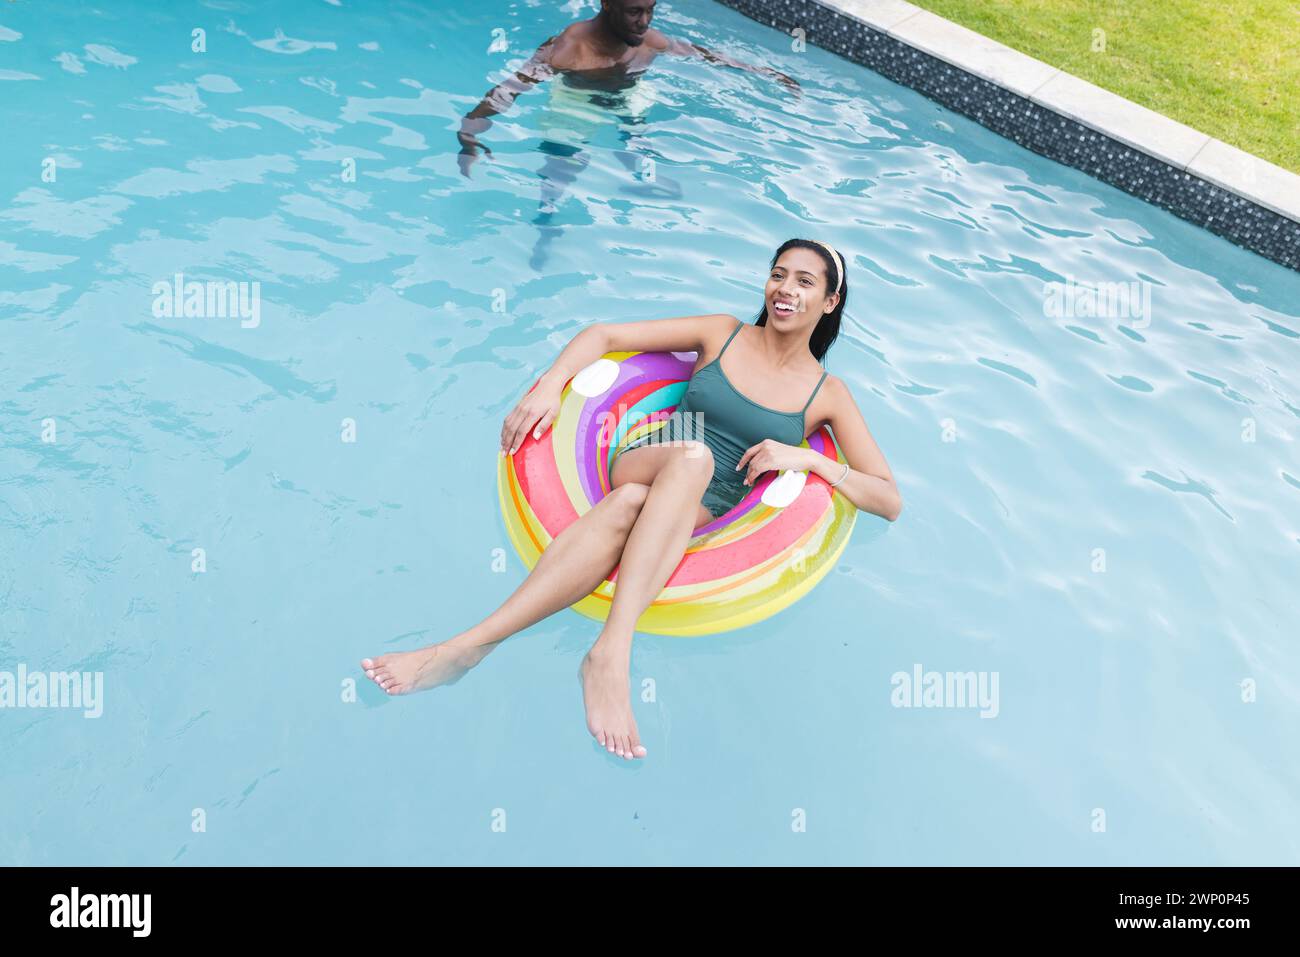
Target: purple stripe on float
column 633, row 370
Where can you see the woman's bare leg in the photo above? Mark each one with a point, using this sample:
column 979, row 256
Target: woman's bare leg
column 654, row 548
column 569, row 569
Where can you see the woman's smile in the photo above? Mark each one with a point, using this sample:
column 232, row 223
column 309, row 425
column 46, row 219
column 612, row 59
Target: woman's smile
column 785, row 307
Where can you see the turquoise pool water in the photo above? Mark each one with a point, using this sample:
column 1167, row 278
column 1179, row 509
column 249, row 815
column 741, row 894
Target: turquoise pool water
column 420, row 304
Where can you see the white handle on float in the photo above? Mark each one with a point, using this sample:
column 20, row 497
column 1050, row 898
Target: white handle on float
column 785, row 488
column 596, row 378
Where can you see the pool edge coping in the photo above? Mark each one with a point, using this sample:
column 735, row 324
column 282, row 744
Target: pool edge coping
column 1174, row 145
column 1082, row 101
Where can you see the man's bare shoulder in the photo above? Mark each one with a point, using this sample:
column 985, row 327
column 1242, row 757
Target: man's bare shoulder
column 661, row 42
column 569, row 45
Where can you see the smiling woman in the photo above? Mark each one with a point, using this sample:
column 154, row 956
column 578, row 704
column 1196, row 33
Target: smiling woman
column 663, row 487
column 1101, row 490
column 804, row 298
column 739, row 568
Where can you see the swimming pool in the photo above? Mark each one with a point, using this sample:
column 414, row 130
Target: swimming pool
column 1101, row 512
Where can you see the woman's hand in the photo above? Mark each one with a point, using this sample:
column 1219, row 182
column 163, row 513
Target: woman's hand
column 770, row 455
column 538, row 408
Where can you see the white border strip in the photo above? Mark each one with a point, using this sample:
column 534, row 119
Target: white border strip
column 1146, row 131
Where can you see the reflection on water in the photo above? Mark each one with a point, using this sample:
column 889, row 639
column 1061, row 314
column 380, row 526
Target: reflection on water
column 1101, row 505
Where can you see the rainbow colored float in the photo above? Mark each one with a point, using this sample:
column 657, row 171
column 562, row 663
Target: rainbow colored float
column 743, row 567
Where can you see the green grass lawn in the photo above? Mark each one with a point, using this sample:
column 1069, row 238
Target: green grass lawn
column 1228, row 68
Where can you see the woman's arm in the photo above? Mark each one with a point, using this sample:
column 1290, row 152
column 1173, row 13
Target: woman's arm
column 684, row 334
column 869, row 484
column 539, row 407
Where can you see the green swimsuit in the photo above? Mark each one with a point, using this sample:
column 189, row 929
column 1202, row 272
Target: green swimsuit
column 714, row 412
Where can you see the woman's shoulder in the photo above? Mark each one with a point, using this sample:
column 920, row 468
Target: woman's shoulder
column 724, row 325
column 831, row 396
column 837, row 389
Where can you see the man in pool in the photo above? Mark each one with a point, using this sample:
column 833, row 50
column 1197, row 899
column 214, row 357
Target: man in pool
column 600, row 62
column 607, row 52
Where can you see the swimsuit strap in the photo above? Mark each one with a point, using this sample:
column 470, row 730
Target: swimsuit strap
column 729, row 338
column 814, row 391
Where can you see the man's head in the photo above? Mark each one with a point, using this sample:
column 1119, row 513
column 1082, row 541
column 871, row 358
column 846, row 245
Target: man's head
column 628, row 20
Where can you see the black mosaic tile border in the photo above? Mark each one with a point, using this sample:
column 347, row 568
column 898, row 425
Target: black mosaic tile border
column 1037, row 128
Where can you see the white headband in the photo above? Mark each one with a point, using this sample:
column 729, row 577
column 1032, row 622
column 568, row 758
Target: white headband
column 835, row 257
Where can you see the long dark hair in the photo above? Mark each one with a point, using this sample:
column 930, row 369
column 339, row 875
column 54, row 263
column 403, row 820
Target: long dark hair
column 828, row 327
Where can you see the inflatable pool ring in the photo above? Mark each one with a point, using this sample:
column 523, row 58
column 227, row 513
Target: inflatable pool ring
column 740, row 568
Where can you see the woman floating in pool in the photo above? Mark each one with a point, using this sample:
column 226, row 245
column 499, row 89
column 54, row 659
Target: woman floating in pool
column 662, row 488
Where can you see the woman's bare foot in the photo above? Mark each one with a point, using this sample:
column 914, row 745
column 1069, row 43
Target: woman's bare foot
column 403, row 672
column 608, row 702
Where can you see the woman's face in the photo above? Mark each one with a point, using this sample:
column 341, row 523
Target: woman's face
column 796, row 289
